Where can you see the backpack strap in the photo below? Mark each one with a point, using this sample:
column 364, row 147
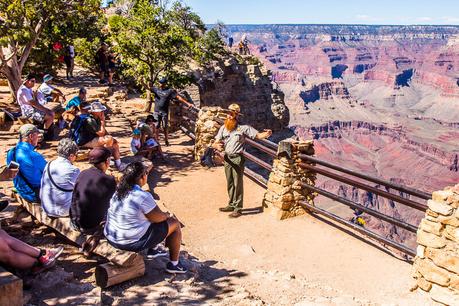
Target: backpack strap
column 35, row 190
column 53, row 182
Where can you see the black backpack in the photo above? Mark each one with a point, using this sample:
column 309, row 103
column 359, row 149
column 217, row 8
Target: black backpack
column 207, row 159
column 77, row 130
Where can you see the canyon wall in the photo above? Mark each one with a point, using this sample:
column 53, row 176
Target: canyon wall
column 383, row 100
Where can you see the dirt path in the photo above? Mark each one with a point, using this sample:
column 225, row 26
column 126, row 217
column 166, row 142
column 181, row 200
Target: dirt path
column 252, row 260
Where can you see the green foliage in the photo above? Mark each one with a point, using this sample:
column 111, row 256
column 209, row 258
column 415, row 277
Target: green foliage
column 155, row 41
column 30, row 27
column 83, row 22
column 85, row 51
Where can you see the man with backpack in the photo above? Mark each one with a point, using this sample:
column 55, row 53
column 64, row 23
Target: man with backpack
column 31, row 163
column 88, row 131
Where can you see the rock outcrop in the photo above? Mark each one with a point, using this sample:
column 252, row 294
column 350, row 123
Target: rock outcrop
column 436, row 266
column 247, row 82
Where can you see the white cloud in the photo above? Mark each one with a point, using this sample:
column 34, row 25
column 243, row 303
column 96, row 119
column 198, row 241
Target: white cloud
column 450, row 19
column 424, row 19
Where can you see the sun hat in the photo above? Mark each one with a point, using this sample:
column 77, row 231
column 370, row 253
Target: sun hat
column 97, row 107
column 27, row 129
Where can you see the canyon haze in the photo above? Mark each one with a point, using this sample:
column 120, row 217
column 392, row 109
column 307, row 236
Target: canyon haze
column 383, row 100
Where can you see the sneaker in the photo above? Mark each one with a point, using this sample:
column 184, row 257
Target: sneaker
column 122, row 166
column 50, row 256
column 177, row 269
column 157, row 252
column 226, row 209
column 235, row 214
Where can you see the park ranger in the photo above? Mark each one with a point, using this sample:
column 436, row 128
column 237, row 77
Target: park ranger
column 230, row 139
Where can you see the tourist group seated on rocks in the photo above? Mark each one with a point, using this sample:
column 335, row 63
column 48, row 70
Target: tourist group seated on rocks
column 96, row 203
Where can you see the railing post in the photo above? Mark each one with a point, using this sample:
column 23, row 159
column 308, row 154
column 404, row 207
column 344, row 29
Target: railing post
column 436, row 266
column 284, row 189
column 206, row 128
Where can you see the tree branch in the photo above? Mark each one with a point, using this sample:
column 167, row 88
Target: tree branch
column 28, row 48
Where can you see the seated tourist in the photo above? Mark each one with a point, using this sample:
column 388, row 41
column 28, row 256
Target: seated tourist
column 88, row 131
column 32, row 109
column 149, row 137
column 20, row 255
column 59, row 179
column 74, row 104
column 48, row 93
column 31, row 163
column 136, row 223
column 92, row 193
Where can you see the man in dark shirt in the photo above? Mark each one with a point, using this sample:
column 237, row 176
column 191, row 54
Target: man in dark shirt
column 92, row 193
column 163, row 97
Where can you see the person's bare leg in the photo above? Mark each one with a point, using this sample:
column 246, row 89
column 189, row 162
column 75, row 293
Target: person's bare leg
column 174, row 238
column 110, row 78
column 49, row 119
column 72, row 66
column 18, row 245
column 116, row 149
column 14, row 258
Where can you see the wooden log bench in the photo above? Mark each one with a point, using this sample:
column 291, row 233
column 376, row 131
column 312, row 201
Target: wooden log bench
column 11, row 293
column 122, row 266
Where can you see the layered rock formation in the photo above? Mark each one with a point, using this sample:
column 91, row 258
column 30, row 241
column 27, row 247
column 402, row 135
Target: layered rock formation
column 377, row 99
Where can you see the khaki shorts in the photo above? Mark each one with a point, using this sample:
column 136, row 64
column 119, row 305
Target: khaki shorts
column 93, row 143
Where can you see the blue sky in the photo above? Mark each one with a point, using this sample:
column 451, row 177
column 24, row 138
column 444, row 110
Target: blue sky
column 328, row 11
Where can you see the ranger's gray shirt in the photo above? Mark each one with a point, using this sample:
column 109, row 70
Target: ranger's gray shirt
column 234, row 140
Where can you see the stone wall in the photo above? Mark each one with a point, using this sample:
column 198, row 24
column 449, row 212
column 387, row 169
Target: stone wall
column 245, row 81
column 206, row 128
column 436, row 266
column 284, row 191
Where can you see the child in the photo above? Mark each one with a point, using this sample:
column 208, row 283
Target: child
column 148, row 137
column 135, row 142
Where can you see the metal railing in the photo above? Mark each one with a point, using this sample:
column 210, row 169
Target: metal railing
column 341, row 174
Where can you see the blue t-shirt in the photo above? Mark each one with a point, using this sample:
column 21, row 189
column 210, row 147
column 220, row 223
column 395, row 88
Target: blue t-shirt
column 31, row 166
column 74, row 102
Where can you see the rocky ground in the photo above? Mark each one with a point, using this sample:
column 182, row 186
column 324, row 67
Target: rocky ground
column 253, row 260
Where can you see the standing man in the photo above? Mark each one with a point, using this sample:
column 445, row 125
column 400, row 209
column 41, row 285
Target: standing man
column 231, row 137
column 102, row 62
column 69, row 59
column 163, row 97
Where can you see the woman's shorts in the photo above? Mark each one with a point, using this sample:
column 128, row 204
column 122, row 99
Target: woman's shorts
column 156, row 233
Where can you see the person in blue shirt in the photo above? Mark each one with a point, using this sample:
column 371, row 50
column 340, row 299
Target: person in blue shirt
column 31, row 163
column 74, row 103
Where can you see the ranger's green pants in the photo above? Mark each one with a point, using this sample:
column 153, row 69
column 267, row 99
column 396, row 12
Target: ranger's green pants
column 234, row 172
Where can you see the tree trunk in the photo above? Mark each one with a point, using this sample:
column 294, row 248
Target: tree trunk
column 13, row 73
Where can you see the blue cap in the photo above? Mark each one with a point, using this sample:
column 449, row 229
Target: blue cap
column 163, row 80
column 136, row 132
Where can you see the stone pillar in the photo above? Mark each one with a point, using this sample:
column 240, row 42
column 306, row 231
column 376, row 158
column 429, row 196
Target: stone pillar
column 206, row 128
column 284, row 191
column 436, row 266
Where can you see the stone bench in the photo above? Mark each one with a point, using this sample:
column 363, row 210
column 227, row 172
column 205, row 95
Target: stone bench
column 11, row 293
column 123, row 265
